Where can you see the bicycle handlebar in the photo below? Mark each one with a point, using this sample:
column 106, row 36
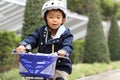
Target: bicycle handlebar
column 65, row 56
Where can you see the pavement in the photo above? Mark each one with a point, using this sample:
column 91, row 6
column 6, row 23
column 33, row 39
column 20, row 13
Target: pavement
column 110, row 75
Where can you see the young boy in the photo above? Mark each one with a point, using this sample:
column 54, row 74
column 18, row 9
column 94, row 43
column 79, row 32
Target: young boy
column 53, row 37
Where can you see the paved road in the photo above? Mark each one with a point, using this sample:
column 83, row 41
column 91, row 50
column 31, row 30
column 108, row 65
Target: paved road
column 111, row 75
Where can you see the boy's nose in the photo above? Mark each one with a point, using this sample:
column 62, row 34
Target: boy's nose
column 54, row 19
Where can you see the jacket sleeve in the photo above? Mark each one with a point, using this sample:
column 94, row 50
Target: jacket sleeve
column 67, row 41
column 31, row 39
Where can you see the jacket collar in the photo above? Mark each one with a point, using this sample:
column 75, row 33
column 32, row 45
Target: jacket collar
column 59, row 32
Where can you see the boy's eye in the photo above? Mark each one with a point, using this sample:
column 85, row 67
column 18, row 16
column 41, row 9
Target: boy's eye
column 51, row 17
column 54, row 17
column 58, row 17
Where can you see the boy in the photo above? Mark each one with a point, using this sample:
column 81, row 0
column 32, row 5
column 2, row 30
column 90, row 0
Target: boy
column 53, row 37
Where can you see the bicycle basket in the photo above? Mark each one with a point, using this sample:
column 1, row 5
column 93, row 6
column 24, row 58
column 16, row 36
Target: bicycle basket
column 32, row 65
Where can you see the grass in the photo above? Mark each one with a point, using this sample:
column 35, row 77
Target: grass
column 79, row 70
column 11, row 75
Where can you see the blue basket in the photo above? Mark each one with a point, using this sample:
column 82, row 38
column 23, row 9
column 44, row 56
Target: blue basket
column 32, row 65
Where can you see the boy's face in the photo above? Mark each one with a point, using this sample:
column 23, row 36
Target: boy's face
column 54, row 19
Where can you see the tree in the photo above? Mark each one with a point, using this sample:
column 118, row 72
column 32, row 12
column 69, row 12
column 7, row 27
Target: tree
column 109, row 7
column 114, row 40
column 96, row 48
column 106, row 7
column 32, row 16
column 116, row 9
column 79, row 7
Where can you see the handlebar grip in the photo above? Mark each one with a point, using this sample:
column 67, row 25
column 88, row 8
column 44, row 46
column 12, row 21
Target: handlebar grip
column 14, row 51
column 66, row 55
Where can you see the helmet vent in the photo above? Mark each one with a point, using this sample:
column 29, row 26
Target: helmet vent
column 52, row 3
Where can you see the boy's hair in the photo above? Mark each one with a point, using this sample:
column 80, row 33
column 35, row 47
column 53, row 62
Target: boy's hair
column 55, row 10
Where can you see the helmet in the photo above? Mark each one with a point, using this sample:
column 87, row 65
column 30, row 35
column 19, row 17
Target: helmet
column 54, row 4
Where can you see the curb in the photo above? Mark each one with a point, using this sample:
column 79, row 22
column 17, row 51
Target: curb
column 101, row 76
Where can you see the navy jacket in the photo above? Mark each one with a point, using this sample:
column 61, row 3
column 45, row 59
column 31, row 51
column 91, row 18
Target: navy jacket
column 62, row 41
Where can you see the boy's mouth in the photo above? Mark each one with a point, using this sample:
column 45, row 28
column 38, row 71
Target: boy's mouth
column 54, row 24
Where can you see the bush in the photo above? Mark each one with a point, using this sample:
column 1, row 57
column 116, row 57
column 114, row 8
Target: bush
column 114, row 40
column 78, row 49
column 8, row 41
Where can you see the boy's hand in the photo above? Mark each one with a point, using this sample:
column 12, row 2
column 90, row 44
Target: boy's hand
column 20, row 49
column 61, row 53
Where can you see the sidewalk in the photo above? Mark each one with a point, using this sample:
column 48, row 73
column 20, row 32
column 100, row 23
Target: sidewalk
column 110, row 75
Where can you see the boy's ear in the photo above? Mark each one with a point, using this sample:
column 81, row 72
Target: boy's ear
column 63, row 21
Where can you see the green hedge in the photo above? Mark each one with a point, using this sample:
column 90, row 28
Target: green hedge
column 78, row 49
column 8, row 41
column 114, row 40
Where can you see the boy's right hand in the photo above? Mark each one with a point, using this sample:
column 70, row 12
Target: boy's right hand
column 20, row 49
